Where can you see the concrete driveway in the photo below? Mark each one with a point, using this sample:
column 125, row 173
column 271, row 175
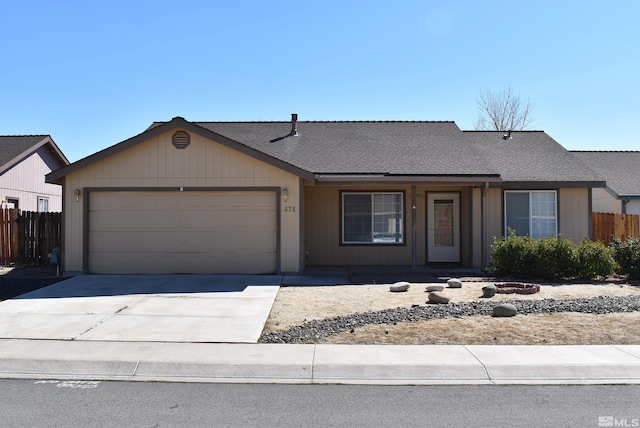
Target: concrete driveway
column 144, row 308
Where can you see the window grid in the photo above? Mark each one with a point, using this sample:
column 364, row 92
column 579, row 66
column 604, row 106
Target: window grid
column 372, row 218
column 531, row 213
column 43, row 204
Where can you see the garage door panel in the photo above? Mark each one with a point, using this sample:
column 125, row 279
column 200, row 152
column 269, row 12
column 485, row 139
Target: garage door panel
column 181, row 220
column 176, row 263
column 187, row 232
column 158, row 243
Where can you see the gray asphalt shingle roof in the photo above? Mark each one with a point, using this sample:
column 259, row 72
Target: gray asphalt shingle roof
column 530, row 156
column 621, row 169
column 352, row 151
column 12, row 146
column 395, row 148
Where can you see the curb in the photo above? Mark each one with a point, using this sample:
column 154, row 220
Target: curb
column 328, row 364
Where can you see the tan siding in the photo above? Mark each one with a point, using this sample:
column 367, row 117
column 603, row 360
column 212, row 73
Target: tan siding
column 573, row 215
column 477, row 226
column 322, row 229
column 604, row 202
column 494, row 218
column 574, row 219
column 204, row 163
column 323, row 234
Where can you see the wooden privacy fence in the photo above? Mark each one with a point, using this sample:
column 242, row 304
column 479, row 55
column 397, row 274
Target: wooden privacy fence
column 621, row 226
column 27, row 238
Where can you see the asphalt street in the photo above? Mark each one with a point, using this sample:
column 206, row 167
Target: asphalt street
column 128, row 404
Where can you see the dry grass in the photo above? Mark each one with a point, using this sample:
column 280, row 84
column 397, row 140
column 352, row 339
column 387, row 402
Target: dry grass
column 295, row 305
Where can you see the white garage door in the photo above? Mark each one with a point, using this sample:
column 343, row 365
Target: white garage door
column 182, row 232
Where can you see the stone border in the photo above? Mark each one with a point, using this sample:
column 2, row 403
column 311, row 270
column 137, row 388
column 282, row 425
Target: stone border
column 517, row 288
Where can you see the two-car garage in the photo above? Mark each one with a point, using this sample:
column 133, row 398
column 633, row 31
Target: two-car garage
column 182, row 231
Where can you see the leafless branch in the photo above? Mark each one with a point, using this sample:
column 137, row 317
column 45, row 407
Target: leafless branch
column 503, row 111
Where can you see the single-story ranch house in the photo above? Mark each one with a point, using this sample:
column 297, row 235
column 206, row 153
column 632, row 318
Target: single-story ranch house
column 277, row 197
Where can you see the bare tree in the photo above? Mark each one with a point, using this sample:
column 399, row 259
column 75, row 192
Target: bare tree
column 503, row 111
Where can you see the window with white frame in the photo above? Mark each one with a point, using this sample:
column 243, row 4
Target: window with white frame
column 531, row 213
column 372, row 218
column 43, row 204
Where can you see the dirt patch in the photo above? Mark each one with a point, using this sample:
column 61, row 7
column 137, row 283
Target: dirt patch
column 296, row 305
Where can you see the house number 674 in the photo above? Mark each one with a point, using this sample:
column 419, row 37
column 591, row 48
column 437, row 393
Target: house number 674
column 289, row 209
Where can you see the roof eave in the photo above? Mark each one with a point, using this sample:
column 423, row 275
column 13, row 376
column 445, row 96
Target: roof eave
column 388, row 179
column 550, row 184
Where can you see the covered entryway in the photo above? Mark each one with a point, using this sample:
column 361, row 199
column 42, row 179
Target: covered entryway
column 190, row 231
column 443, row 227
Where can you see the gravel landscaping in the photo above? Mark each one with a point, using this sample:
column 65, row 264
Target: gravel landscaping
column 315, row 330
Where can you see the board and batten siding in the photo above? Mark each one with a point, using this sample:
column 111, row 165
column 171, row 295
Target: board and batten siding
column 156, row 163
column 323, row 218
column 574, row 220
column 25, row 181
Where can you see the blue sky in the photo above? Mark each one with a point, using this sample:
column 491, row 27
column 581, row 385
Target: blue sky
column 92, row 74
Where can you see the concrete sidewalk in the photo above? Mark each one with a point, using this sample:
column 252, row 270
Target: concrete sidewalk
column 352, row 364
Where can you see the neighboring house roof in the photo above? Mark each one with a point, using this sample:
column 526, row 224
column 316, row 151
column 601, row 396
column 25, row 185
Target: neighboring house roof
column 389, row 151
column 15, row 148
column 621, row 170
column 530, row 157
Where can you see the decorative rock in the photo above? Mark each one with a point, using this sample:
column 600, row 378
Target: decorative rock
column 489, row 290
column 435, row 287
column 439, row 297
column 312, row 331
column 454, row 283
column 399, row 286
column 504, row 310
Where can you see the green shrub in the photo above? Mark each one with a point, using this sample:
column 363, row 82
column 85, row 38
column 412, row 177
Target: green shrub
column 627, row 255
column 509, row 255
column 549, row 258
column 558, row 258
column 594, row 259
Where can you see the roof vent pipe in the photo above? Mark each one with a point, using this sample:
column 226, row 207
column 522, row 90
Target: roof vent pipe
column 294, row 124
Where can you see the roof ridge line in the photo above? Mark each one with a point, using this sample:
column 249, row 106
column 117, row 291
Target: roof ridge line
column 493, row 130
column 319, row 121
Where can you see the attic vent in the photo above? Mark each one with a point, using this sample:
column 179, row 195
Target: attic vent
column 181, row 140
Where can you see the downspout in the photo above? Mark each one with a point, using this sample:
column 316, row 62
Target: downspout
column 483, row 225
column 414, row 234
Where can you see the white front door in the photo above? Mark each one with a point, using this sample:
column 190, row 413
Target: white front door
column 443, row 227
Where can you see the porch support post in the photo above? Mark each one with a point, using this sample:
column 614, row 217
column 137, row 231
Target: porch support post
column 483, row 224
column 414, row 226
